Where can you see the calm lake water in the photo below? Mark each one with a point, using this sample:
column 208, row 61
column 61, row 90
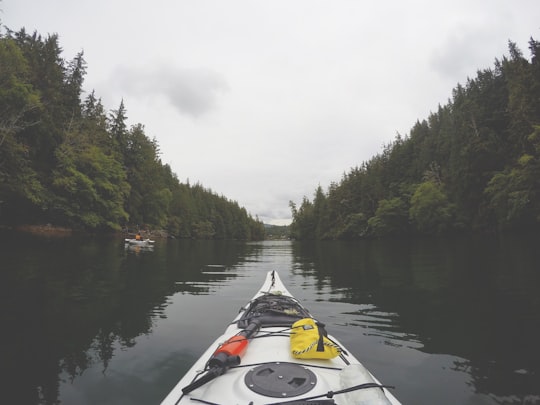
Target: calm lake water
column 85, row 321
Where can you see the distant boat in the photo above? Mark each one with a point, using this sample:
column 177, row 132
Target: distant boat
column 140, row 242
column 137, row 248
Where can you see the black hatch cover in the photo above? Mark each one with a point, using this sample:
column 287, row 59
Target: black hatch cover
column 280, row 380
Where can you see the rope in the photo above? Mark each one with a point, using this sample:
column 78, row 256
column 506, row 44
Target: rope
column 330, row 394
column 287, row 362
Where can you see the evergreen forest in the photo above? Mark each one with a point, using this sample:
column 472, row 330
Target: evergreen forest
column 66, row 161
column 471, row 166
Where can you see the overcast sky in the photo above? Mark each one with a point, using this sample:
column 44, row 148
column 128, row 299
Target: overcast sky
column 262, row 101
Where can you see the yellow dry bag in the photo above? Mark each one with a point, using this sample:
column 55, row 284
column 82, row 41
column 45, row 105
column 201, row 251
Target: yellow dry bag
column 308, row 341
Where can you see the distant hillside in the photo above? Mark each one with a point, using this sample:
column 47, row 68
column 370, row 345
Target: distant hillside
column 277, row 232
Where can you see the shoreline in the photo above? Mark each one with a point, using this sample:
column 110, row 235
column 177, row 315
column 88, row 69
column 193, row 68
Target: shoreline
column 60, row 231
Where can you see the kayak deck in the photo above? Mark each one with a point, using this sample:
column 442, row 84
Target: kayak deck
column 268, row 373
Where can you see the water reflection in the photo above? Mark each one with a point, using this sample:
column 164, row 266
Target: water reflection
column 474, row 299
column 69, row 305
column 87, row 321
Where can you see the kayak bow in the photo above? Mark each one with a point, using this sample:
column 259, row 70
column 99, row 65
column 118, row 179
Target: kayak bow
column 271, row 370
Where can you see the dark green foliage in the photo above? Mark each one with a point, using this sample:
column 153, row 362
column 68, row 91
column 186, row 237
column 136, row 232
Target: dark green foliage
column 89, row 185
column 305, row 223
column 67, row 162
column 19, row 102
column 514, row 194
column 474, row 165
column 430, row 210
column 391, row 218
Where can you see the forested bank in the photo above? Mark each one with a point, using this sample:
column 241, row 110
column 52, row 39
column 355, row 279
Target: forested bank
column 66, row 161
column 471, row 166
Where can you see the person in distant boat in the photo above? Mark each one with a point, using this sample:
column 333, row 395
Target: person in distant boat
column 138, row 236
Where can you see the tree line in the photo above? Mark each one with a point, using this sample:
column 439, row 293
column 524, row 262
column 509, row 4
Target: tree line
column 66, row 161
column 471, row 166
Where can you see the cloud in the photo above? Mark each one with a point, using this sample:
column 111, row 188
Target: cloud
column 471, row 46
column 192, row 92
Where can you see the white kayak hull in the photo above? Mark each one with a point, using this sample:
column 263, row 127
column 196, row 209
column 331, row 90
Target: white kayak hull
column 268, row 352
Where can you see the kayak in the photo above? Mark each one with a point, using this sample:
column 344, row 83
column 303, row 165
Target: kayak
column 275, row 352
column 139, row 248
column 141, row 242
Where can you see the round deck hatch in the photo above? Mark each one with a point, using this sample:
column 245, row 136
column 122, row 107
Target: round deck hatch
column 280, row 380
